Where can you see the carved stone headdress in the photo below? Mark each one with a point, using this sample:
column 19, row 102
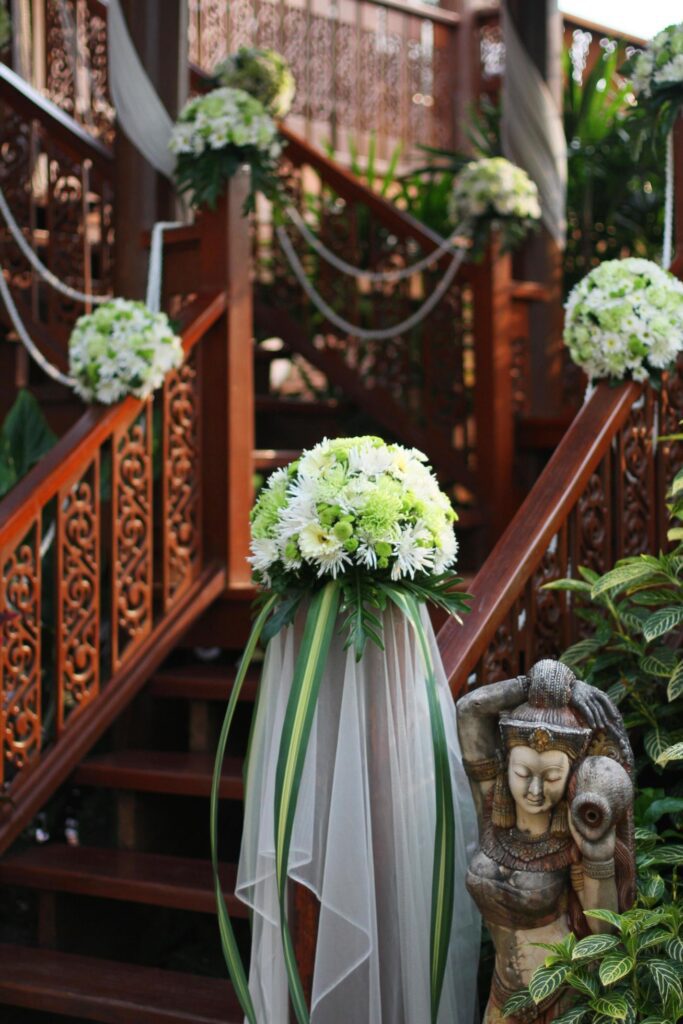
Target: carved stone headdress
column 546, row 721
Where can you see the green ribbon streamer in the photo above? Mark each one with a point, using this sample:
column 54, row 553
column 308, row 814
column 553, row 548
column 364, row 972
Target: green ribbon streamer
column 231, row 953
column 296, row 730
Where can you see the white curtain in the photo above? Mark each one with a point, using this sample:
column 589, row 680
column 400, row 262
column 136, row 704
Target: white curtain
column 363, row 839
column 139, row 110
column 533, row 133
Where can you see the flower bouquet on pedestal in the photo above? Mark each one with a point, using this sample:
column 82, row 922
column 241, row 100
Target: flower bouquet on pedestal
column 218, row 133
column 495, row 194
column 355, row 786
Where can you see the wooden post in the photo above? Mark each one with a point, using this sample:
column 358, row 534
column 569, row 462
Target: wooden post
column 464, row 69
column 228, row 383
column 493, row 393
column 539, row 26
column 158, row 29
column 677, row 265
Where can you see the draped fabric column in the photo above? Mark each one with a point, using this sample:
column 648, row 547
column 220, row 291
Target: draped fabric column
column 363, row 838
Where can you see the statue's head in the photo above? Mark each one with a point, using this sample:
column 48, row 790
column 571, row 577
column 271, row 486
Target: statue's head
column 542, row 739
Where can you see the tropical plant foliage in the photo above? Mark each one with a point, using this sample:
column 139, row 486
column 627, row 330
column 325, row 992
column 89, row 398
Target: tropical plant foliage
column 635, row 617
column 24, row 438
column 633, row 975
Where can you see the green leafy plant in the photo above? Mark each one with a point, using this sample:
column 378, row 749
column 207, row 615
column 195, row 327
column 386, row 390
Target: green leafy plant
column 634, row 974
column 24, row 438
column 635, row 614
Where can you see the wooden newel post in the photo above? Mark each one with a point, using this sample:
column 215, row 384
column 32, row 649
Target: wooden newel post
column 677, row 264
column 227, row 383
column 492, row 284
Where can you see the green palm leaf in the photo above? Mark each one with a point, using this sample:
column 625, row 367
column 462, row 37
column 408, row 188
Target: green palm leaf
column 444, row 839
column 228, row 943
column 296, row 730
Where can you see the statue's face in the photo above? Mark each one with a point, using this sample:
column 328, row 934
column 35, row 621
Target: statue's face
column 537, row 780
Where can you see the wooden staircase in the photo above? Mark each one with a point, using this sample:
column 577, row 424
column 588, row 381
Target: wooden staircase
column 174, row 888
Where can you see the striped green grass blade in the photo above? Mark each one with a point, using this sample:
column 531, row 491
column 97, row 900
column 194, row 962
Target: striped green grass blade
column 228, row 942
column 443, row 881
column 296, row 730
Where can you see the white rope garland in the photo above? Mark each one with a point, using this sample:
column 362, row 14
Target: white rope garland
column 379, row 276
column 667, row 247
column 153, row 301
column 25, row 338
column 364, row 334
column 39, row 266
column 155, row 269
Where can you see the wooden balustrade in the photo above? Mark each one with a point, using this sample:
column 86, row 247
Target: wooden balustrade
column 600, row 498
column 57, row 180
column 444, row 386
column 364, row 68
column 130, row 527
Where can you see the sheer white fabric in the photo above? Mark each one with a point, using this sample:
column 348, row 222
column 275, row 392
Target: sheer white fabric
column 363, row 839
column 533, row 135
column 139, row 110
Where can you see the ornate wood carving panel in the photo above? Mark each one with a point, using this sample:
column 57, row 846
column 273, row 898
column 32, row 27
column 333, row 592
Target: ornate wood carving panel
column 78, row 602
column 181, row 516
column 132, row 578
column 20, row 655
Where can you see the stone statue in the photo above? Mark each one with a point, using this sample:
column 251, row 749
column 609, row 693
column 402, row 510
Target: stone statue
column 550, row 767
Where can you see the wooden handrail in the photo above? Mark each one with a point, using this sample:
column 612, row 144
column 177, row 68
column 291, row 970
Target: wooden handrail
column 97, row 423
column 519, row 551
column 299, row 151
column 32, row 105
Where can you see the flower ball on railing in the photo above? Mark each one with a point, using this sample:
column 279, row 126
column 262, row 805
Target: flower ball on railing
column 215, row 135
column 625, row 320
column 264, row 74
column 657, row 73
column 122, row 349
column 494, row 193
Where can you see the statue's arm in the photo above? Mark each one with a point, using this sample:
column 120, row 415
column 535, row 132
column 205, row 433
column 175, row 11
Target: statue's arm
column 598, row 889
column 478, row 713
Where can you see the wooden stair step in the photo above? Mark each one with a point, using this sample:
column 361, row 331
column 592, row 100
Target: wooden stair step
column 113, row 993
column 300, row 406
column 182, row 883
column 272, row 458
column 151, row 771
column 203, row 682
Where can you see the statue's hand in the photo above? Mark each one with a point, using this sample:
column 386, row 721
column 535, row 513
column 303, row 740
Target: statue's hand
column 595, row 706
column 601, row 849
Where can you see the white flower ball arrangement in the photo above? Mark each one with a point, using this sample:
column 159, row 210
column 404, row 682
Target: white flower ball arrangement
column 216, row 134
column 625, row 320
column 122, row 349
column 493, row 192
column 363, row 512
column 657, row 72
column 264, row 74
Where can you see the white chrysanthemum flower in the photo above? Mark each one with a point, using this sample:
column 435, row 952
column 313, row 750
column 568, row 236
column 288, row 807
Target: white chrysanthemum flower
column 263, row 553
column 413, row 552
column 660, row 67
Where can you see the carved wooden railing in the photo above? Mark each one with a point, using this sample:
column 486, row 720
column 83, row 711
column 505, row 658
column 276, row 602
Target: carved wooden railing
column 600, row 498
column 134, row 523
column 382, row 68
column 444, row 386
column 57, row 180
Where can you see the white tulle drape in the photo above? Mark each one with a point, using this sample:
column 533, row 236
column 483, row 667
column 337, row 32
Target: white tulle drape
column 363, row 839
